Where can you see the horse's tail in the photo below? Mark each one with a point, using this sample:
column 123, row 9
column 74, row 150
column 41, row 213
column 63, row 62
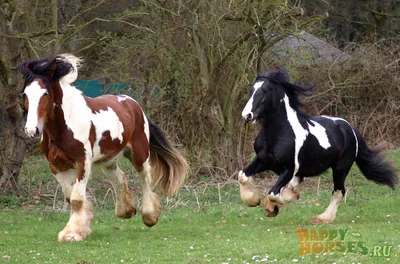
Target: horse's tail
column 168, row 167
column 373, row 165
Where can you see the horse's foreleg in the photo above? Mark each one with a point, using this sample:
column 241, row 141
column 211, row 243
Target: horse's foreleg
column 78, row 226
column 151, row 204
column 249, row 193
column 291, row 191
column 281, row 194
column 124, row 206
column 66, row 179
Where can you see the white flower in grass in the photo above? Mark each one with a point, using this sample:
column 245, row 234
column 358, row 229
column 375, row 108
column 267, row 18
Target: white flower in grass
column 191, row 247
column 295, row 260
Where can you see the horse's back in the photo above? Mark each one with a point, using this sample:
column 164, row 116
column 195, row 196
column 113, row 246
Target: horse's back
column 326, row 145
column 117, row 119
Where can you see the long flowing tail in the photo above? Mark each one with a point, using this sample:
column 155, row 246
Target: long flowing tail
column 373, row 165
column 168, row 167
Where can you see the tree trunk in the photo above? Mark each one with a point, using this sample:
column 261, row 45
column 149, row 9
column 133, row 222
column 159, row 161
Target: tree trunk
column 12, row 139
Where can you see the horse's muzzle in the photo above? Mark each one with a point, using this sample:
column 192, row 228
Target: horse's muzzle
column 249, row 118
column 32, row 133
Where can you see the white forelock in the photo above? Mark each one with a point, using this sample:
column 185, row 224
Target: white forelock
column 75, row 62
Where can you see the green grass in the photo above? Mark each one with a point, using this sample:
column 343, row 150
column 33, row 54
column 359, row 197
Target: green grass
column 201, row 225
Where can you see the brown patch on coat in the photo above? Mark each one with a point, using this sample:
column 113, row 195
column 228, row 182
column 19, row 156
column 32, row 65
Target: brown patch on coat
column 76, row 205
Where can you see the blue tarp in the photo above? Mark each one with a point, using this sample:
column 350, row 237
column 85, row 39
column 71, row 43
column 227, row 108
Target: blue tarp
column 97, row 87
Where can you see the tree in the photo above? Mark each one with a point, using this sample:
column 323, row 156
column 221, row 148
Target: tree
column 12, row 51
column 196, row 68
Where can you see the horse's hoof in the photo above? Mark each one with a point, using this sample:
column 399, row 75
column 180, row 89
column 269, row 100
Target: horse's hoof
column 271, row 208
column 320, row 220
column 151, row 209
column 269, row 213
column 249, row 194
column 128, row 213
column 65, row 236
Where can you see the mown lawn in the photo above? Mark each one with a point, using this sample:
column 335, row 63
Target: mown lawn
column 204, row 224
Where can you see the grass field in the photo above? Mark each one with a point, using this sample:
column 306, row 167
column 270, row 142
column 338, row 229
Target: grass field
column 206, row 223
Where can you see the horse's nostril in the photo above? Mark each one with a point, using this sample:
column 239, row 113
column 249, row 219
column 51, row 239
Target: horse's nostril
column 249, row 116
column 37, row 132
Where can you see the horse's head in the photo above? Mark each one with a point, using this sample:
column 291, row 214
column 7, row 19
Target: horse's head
column 264, row 95
column 268, row 90
column 41, row 76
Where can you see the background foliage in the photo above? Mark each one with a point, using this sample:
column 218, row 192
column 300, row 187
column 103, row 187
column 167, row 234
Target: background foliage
column 190, row 64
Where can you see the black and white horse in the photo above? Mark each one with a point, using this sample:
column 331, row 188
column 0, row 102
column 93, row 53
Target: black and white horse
column 295, row 145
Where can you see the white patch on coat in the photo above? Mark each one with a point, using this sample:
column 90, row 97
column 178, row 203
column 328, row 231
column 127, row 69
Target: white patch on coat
column 106, row 121
column 146, row 127
column 294, row 182
column 249, row 106
column 123, row 97
column 341, row 119
column 320, row 133
column 33, row 92
column 300, row 133
column 79, row 117
column 66, row 179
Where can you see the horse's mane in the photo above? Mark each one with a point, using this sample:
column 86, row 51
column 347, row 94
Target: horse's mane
column 65, row 64
column 280, row 78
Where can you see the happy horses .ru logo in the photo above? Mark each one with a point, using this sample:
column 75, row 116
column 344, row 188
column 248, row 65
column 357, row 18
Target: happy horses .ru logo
column 316, row 241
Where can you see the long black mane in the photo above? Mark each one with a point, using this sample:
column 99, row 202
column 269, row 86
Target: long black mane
column 280, row 78
column 40, row 68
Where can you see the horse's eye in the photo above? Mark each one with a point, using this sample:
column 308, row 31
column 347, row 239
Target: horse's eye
column 46, row 93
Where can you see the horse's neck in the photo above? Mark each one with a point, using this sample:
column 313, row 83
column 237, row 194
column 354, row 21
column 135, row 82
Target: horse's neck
column 67, row 104
column 275, row 121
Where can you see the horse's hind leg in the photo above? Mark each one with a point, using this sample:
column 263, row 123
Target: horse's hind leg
column 329, row 215
column 151, row 204
column 124, row 206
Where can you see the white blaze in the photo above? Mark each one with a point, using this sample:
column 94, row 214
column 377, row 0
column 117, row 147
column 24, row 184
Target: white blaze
column 33, row 92
column 247, row 109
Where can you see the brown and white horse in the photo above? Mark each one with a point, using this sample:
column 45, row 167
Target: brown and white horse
column 79, row 132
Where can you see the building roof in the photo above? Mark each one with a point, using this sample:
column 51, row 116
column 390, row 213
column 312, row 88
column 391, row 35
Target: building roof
column 306, row 48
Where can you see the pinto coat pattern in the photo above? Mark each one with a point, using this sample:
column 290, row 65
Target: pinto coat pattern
column 295, row 145
column 79, row 132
